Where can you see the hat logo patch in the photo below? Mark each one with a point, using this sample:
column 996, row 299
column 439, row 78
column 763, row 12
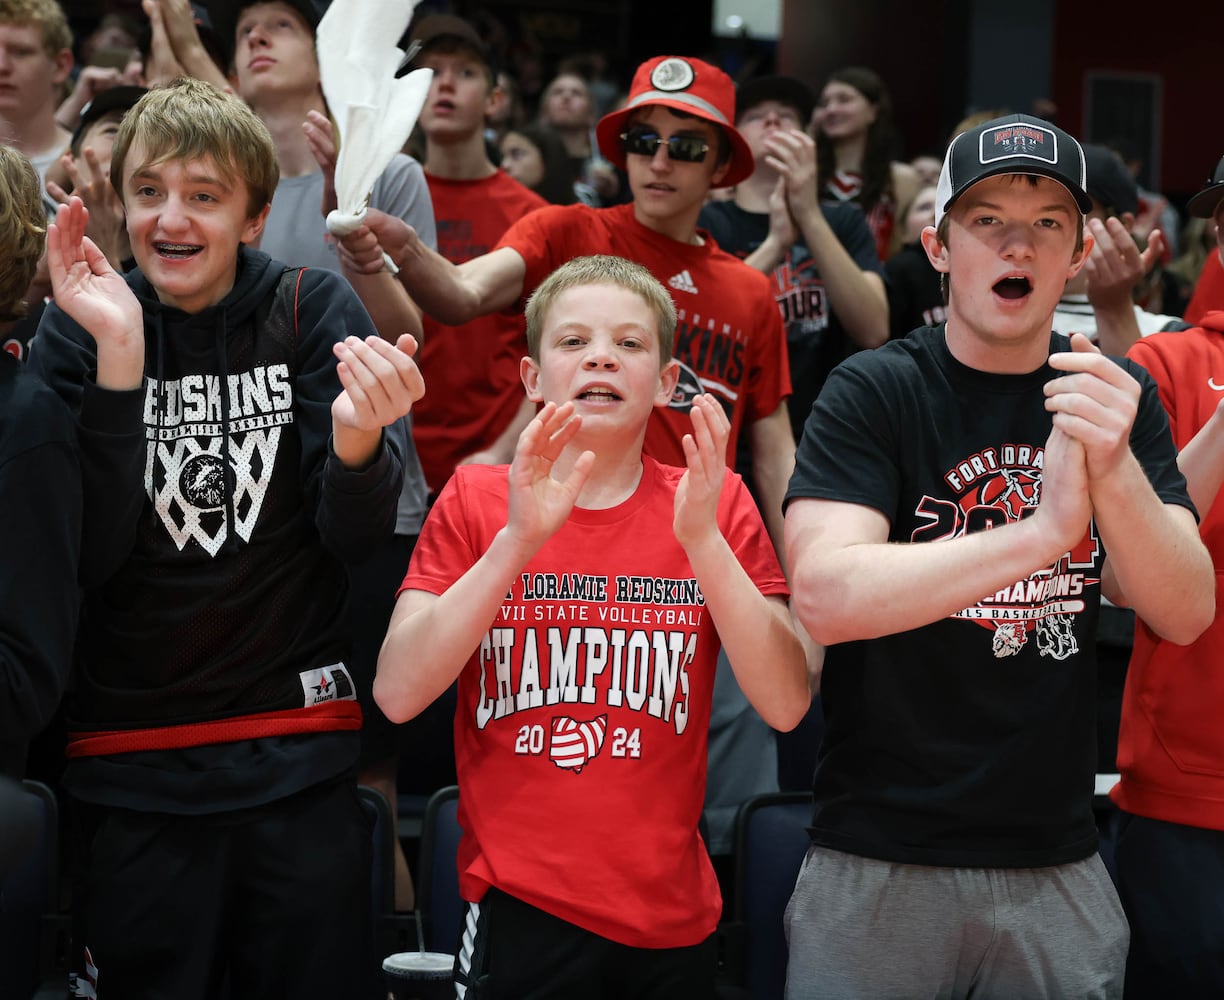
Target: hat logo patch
column 1018, row 140
column 672, row 75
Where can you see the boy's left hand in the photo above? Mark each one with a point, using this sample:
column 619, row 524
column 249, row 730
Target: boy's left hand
column 1095, row 403
column 381, row 382
column 705, row 453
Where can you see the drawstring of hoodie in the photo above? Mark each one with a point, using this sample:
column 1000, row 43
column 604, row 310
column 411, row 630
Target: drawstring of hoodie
column 159, row 397
column 228, row 477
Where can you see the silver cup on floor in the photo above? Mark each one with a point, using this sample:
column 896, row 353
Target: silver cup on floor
column 419, row 975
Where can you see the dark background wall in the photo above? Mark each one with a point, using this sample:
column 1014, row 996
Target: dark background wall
column 1134, row 68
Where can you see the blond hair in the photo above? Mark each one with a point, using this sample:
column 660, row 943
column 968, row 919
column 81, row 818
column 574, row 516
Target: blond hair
column 22, row 228
column 603, row 270
column 45, row 15
column 191, row 120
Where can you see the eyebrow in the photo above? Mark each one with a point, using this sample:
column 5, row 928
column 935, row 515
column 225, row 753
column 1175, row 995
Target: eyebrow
column 149, row 172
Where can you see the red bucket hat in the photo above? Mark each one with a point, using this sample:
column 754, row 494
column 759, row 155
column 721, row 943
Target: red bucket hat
column 681, row 84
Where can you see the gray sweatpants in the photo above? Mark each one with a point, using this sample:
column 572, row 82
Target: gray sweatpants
column 863, row 929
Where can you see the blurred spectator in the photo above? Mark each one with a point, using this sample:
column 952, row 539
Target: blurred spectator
column 1099, row 302
column 37, row 47
column 506, row 109
column 927, row 168
column 914, row 295
column 85, row 171
column 535, row 156
column 567, row 107
column 1155, row 211
column 857, row 145
column 1198, row 242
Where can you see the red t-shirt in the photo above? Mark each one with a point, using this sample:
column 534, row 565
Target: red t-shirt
column 729, row 336
column 471, row 371
column 1171, row 742
column 582, row 719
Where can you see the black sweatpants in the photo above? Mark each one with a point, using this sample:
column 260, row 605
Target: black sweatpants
column 1171, row 882
column 276, row 897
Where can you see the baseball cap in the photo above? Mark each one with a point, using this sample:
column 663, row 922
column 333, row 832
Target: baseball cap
column 1204, row 204
column 439, row 26
column 1109, row 182
column 682, row 84
column 1013, row 144
column 224, row 16
column 783, row 89
column 112, row 99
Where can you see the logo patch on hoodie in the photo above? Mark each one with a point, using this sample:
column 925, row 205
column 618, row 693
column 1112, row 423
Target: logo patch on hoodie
column 331, row 683
column 199, row 450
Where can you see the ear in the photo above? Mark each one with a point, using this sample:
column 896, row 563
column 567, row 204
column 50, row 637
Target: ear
column 253, row 227
column 720, row 172
column 63, row 65
column 495, row 101
column 669, row 376
column 1127, row 219
column 529, row 372
column 1081, row 258
column 937, row 253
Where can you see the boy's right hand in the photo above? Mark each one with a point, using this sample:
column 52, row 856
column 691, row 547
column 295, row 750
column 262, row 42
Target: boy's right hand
column 540, row 504
column 87, row 288
column 363, row 248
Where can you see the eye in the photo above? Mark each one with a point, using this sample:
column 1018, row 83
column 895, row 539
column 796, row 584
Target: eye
column 1048, row 223
column 146, row 191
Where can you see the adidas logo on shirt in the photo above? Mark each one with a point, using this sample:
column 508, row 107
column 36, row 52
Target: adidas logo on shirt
column 682, row 282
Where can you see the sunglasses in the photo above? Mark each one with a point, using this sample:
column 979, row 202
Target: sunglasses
column 684, row 148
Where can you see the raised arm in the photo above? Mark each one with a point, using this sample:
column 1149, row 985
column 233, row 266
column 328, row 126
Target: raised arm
column 857, row 296
column 1113, row 269
column 756, row 630
column 453, row 294
column 849, row 582
column 89, row 290
column 432, row 636
column 1156, row 559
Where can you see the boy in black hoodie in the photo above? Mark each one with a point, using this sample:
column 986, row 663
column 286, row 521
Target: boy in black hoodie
column 238, row 422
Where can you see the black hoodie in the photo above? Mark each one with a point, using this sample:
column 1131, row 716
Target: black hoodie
column 215, row 524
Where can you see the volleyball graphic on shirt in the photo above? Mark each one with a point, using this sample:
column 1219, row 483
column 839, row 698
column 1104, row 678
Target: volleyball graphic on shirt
column 574, row 744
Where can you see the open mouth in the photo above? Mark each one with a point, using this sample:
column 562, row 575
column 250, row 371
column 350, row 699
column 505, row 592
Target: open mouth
column 599, row 395
column 1013, row 288
column 177, row 251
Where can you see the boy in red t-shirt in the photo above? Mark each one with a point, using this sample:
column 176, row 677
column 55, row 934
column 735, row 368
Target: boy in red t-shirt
column 580, row 596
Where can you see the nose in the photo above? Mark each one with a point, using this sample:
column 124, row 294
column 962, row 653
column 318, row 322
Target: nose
column 256, row 35
column 173, row 217
column 1018, row 241
column 599, row 356
column 661, row 160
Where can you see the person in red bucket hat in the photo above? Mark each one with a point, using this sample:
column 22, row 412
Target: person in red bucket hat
column 690, row 87
column 676, row 140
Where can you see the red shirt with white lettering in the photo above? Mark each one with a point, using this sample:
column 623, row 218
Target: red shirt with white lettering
column 729, row 335
column 582, row 719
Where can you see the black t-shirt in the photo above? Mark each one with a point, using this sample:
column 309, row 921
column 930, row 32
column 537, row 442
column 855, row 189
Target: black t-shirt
column 815, row 339
column 914, row 295
column 969, row 741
